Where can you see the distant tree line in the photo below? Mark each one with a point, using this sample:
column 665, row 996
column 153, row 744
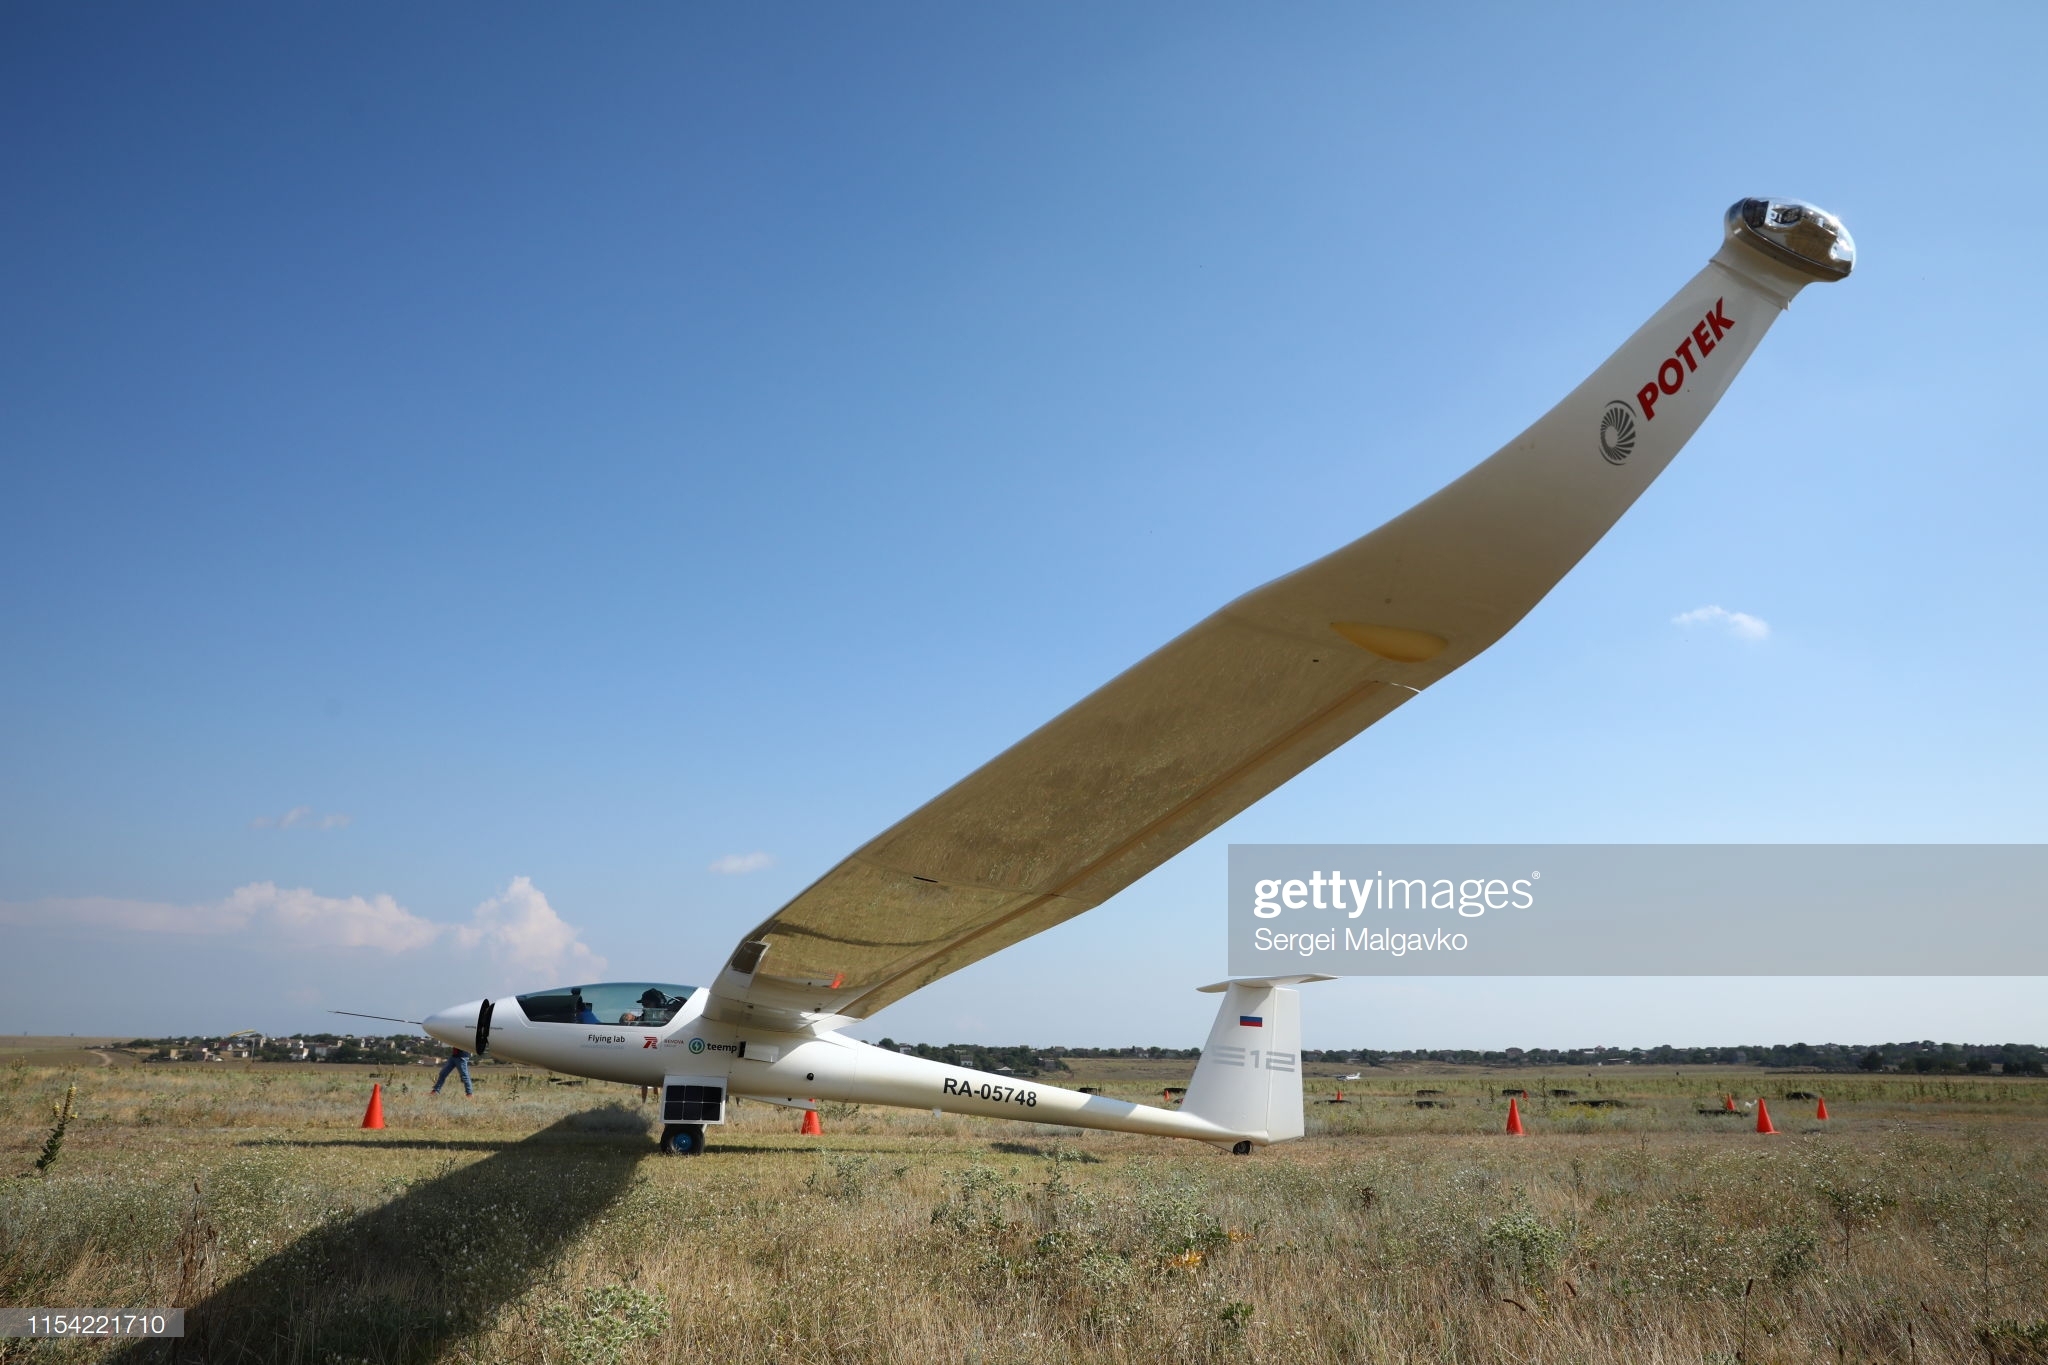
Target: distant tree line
column 2012, row 1059
column 387, row 1050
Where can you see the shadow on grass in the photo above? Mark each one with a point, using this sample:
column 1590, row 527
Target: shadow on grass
column 1050, row 1149
column 383, row 1144
column 812, row 1148
column 397, row 1283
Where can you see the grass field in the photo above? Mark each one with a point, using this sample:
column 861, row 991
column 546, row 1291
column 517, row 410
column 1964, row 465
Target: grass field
column 64, row 1050
column 535, row 1224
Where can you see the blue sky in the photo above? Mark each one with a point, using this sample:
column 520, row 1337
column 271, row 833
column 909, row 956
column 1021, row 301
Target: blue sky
column 469, row 471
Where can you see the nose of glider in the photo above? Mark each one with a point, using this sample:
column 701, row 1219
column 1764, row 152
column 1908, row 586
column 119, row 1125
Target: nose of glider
column 1810, row 240
column 455, row 1026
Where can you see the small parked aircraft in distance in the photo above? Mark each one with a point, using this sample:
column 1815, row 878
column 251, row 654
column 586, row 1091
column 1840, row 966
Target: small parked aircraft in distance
column 1160, row 756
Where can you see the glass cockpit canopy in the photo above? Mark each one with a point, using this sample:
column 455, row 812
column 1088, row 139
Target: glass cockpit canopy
column 633, row 1004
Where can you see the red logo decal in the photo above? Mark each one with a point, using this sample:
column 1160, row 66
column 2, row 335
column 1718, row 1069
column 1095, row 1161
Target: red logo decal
column 649, row 1041
column 1697, row 345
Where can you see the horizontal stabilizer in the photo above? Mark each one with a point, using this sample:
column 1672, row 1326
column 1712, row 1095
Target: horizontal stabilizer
column 1263, row 982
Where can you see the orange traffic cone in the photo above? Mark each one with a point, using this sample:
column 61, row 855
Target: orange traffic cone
column 1728, row 1103
column 373, row 1117
column 1515, row 1119
column 1763, row 1117
column 1340, row 1094
column 1820, row 1111
column 811, row 1128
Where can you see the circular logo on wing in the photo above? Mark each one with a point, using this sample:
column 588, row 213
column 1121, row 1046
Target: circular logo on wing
column 1617, row 432
column 696, row 1045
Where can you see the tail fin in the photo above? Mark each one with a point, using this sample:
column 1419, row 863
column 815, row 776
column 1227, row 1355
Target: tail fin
column 1249, row 1078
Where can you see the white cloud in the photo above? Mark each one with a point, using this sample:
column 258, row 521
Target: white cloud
column 520, row 929
column 1740, row 624
column 517, row 928
column 301, row 917
column 739, row 864
column 140, row 917
column 301, row 817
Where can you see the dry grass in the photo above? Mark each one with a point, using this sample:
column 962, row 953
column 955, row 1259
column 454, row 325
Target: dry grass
column 65, row 1050
column 535, row 1224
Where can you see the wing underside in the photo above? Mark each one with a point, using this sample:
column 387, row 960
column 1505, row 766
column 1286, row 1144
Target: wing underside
column 1074, row 813
column 1223, row 714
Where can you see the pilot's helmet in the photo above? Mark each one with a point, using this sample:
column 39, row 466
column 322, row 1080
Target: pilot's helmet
column 653, row 998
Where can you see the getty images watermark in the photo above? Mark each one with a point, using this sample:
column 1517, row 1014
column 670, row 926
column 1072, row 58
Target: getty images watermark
column 1639, row 909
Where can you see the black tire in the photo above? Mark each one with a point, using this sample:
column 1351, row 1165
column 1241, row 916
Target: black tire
column 1242, row 1149
column 682, row 1139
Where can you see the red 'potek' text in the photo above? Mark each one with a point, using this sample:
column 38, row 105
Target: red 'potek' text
column 1697, row 346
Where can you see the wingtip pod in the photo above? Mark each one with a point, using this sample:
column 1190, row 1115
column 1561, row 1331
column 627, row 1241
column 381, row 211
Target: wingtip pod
column 1789, row 233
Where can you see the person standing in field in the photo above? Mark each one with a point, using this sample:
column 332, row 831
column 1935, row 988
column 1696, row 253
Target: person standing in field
column 458, row 1060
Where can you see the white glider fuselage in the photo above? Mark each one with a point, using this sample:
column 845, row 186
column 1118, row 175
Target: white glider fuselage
column 1249, row 1092
column 798, row 1070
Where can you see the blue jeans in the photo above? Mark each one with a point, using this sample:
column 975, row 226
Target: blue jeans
column 460, row 1064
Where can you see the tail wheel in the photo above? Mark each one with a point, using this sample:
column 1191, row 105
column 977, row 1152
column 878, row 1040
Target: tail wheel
column 682, row 1139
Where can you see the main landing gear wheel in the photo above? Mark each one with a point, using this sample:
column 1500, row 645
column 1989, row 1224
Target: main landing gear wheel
column 682, row 1139
column 1242, row 1149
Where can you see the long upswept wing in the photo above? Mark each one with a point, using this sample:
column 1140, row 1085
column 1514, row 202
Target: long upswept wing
column 1217, row 718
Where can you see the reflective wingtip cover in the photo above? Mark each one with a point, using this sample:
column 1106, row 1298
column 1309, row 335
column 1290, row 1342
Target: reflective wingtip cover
column 1808, row 239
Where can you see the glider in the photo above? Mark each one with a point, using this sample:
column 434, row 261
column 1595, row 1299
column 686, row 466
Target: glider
column 1161, row 755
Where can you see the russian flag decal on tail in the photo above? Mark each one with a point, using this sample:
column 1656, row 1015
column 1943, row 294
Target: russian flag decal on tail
column 1250, row 1021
